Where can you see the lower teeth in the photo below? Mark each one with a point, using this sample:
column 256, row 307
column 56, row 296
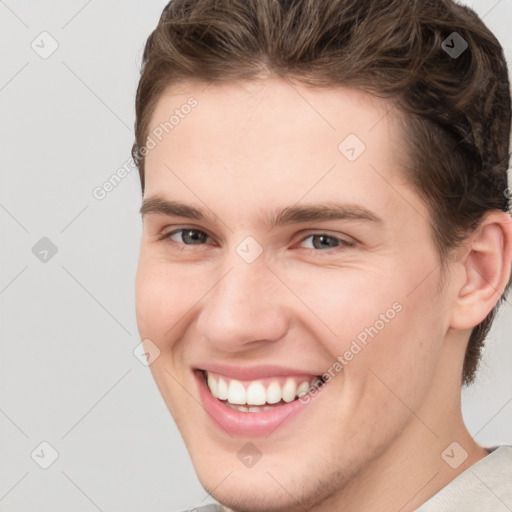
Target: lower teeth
column 245, row 408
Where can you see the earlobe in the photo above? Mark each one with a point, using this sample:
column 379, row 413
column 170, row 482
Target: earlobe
column 486, row 268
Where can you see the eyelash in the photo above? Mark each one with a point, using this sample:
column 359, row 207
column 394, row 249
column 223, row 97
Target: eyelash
column 341, row 245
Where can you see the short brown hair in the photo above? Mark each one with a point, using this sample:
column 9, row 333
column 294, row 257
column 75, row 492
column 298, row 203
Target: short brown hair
column 457, row 109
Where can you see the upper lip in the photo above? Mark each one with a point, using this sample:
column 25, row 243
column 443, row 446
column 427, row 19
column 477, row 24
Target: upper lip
column 242, row 372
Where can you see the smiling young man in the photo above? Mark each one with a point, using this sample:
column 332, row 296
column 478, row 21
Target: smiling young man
column 325, row 241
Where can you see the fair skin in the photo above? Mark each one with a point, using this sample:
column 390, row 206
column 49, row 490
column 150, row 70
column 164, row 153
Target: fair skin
column 372, row 438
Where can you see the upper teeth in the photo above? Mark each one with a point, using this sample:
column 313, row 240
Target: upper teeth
column 258, row 392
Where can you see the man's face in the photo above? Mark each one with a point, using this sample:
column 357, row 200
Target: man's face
column 264, row 297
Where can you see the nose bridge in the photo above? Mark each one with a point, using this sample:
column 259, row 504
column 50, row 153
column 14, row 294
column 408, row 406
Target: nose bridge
column 243, row 306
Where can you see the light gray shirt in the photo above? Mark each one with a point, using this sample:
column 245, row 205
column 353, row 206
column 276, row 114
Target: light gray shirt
column 486, row 486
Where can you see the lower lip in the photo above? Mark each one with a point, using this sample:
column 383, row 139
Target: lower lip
column 240, row 423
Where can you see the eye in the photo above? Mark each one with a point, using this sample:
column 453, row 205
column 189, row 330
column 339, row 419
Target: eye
column 187, row 236
column 324, row 241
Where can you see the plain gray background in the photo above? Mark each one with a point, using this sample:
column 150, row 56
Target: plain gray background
column 68, row 373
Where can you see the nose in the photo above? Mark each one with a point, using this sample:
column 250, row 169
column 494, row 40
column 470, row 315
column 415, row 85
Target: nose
column 245, row 309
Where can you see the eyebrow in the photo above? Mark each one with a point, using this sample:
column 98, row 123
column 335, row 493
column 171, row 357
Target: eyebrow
column 319, row 212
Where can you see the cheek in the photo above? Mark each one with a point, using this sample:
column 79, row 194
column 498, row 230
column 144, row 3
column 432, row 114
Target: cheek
column 400, row 350
column 347, row 301
column 377, row 319
column 169, row 296
column 162, row 297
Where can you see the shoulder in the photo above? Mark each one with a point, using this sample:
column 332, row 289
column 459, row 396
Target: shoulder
column 486, row 485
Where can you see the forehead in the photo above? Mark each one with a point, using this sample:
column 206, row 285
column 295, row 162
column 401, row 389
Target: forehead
column 243, row 113
column 272, row 135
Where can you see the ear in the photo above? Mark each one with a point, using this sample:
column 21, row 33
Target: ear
column 486, row 268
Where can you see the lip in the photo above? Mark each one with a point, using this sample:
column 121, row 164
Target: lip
column 248, row 424
column 254, row 372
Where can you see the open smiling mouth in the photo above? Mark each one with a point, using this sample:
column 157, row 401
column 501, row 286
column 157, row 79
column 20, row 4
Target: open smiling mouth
column 261, row 394
column 229, row 402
